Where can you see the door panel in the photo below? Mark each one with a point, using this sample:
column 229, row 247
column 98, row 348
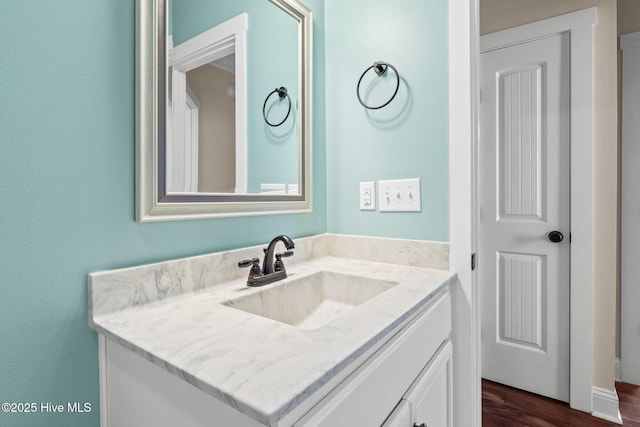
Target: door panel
column 520, row 309
column 523, row 195
column 519, row 194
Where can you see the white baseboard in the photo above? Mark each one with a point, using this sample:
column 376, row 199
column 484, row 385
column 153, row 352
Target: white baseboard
column 605, row 405
column 618, row 370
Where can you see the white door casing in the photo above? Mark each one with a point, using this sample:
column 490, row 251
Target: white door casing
column 579, row 25
column 524, row 195
column 182, row 152
column 464, row 52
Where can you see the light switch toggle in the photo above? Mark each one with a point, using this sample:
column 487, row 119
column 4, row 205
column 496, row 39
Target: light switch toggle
column 407, row 195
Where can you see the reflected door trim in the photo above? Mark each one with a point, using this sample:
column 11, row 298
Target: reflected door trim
column 151, row 128
column 228, row 38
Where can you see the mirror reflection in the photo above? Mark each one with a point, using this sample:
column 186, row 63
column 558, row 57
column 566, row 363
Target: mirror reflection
column 223, row 60
column 211, row 88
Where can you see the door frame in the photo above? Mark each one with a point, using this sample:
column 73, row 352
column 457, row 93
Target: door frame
column 579, row 27
column 464, row 53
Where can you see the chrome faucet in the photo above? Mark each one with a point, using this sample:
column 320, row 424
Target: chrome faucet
column 271, row 270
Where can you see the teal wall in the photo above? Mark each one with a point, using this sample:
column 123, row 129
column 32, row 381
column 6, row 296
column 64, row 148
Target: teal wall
column 67, row 169
column 406, row 139
column 67, row 185
column 272, row 58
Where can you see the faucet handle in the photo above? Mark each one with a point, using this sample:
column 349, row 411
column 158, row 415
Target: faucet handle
column 278, row 265
column 248, row 262
column 255, row 266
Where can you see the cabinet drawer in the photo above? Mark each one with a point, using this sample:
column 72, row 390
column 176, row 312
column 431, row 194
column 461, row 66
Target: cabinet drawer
column 370, row 393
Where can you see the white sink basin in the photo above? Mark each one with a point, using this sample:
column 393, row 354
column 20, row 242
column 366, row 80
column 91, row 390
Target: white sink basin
column 310, row 302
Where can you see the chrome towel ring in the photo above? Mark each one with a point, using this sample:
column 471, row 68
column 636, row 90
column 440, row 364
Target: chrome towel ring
column 282, row 92
column 380, row 68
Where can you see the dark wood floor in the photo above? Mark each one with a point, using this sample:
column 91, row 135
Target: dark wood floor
column 504, row 406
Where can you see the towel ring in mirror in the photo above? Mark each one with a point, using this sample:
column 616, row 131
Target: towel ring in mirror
column 282, row 92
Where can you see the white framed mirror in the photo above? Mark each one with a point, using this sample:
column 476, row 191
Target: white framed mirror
column 206, row 145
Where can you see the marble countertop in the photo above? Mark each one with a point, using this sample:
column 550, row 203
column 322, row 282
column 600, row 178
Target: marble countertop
column 246, row 360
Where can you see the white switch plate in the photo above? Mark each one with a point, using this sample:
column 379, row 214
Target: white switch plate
column 400, row 195
column 368, row 196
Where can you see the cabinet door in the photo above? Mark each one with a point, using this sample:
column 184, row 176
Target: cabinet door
column 400, row 417
column 431, row 395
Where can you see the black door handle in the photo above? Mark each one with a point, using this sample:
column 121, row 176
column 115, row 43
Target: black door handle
column 555, row 237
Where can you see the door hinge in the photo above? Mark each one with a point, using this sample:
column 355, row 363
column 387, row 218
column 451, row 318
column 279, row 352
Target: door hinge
column 473, row 261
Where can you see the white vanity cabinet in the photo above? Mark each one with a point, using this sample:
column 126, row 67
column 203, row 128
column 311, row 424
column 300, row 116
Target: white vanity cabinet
column 405, row 381
column 411, row 373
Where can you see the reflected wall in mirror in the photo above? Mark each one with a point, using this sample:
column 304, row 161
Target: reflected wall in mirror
column 205, row 72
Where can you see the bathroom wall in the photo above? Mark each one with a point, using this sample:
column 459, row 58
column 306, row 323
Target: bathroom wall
column 500, row 14
column 67, row 160
column 406, row 139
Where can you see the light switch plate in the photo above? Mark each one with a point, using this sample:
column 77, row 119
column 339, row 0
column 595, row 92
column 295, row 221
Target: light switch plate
column 368, row 196
column 400, row 195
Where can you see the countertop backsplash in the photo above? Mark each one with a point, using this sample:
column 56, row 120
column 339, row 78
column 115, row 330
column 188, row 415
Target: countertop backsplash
column 116, row 290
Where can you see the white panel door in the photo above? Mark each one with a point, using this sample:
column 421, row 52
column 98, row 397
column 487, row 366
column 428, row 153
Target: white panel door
column 524, row 196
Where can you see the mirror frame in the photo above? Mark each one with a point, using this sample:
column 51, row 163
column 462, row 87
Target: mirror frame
column 151, row 86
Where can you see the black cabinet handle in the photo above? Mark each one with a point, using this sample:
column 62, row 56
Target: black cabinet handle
column 421, row 425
